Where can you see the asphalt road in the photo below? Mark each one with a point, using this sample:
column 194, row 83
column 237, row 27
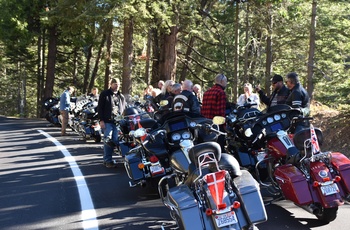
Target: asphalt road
column 53, row 182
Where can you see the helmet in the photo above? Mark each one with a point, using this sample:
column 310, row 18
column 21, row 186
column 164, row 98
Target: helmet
column 130, row 111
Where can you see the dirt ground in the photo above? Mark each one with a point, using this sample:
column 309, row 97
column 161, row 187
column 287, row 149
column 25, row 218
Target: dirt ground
column 334, row 125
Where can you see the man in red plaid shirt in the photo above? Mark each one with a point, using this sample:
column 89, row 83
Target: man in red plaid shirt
column 214, row 104
column 214, row 99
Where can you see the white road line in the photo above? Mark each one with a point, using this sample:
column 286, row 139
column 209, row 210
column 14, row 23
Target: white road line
column 88, row 214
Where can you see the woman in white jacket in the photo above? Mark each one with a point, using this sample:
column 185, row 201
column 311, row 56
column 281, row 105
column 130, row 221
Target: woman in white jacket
column 248, row 96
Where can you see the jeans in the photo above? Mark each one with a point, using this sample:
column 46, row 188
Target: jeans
column 110, row 132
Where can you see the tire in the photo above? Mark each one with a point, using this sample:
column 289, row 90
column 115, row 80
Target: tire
column 327, row 215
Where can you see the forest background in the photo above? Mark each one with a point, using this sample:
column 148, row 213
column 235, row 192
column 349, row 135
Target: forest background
column 46, row 46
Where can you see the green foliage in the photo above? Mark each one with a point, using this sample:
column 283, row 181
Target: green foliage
column 205, row 43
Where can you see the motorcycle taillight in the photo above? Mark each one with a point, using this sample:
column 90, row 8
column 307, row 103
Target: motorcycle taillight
column 153, row 159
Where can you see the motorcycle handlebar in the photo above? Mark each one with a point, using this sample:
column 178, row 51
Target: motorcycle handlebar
column 210, row 128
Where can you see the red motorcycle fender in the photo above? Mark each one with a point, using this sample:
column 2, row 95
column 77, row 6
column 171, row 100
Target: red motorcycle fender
column 293, row 184
column 320, row 172
column 342, row 165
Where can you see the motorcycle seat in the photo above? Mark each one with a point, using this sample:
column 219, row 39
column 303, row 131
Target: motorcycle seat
column 148, row 123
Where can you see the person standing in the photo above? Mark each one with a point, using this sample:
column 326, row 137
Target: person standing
column 248, row 96
column 111, row 104
column 278, row 96
column 214, row 99
column 186, row 100
column 94, row 94
column 197, row 90
column 215, row 103
column 298, row 98
column 65, row 108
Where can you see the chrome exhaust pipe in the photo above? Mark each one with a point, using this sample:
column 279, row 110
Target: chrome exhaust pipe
column 311, row 208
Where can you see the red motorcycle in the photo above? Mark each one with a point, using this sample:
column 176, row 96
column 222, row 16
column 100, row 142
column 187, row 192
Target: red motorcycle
column 293, row 165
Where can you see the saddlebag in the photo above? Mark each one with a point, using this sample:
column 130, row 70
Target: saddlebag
column 249, row 190
column 132, row 159
column 293, row 184
column 185, row 203
column 342, row 165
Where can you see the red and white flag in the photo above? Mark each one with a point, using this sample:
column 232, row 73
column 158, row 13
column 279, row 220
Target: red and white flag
column 314, row 141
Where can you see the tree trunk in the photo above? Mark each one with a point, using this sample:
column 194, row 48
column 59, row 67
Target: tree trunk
column 148, row 53
column 40, row 75
column 51, row 62
column 186, row 59
column 127, row 57
column 88, row 54
column 268, row 50
column 236, row 60
column 155, row 58
column 97, row 63
column 168, row 55
column 108, row 57
column 310, row 64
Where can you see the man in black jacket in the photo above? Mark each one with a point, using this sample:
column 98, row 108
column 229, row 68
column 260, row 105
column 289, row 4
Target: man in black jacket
column 278, row 96
column 111, row 104
column 298, row 98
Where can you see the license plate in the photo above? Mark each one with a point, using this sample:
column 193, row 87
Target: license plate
column 329, row 189
column 156, row 169
column 225, row 219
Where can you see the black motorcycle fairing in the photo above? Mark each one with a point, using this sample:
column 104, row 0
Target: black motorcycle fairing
column 51, row 101
column 171, row 115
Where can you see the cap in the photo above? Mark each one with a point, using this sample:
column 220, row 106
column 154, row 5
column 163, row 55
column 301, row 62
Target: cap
column 277, row 78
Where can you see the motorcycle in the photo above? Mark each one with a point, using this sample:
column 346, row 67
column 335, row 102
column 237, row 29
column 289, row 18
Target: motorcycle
column 52, row 107
column 296, row 168
column 207, row 189
column 155, row 142
column 89, row 126
column 132, row 118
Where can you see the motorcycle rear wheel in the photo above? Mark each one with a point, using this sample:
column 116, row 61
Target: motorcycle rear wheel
column 328, row 214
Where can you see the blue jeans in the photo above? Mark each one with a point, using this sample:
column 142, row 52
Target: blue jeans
column 110, row 132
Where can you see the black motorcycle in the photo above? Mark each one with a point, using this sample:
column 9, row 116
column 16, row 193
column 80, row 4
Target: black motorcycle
column 156, row 141
column 89, row 123
column 52, row 107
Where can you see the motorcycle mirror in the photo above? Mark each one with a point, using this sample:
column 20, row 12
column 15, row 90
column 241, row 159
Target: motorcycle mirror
column 163, row 102
column 248, row 132
column 218, row 120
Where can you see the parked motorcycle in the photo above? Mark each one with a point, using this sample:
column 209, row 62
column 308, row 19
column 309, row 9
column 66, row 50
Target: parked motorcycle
column 89, row 126
column 132, row 118
column 155, row 142
column 207, row 189
column 297, row 169
column 51, row 105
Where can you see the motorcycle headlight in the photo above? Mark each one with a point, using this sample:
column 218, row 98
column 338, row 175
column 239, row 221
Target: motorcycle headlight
column 248, row 132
